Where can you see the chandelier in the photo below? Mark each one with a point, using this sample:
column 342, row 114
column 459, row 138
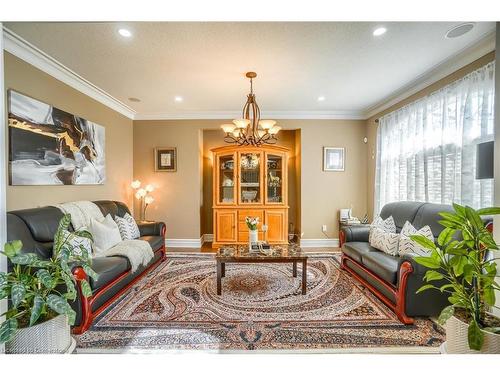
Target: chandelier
column 251, row 130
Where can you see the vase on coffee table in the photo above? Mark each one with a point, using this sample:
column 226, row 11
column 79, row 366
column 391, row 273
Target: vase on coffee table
column 253, row 237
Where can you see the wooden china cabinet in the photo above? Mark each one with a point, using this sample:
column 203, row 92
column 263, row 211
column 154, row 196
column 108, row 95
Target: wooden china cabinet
column 250, row 181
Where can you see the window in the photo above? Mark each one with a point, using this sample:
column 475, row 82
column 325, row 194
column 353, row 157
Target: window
column 426, row 151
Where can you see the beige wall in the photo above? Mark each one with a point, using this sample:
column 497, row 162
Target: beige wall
column 28, row 80
column 180, row 201
column 371, row 125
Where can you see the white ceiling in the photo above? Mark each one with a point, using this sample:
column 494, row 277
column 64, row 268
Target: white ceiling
column 205, row 62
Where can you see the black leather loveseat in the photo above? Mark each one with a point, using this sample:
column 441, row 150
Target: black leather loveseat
column 36, row 227
column 395, row 279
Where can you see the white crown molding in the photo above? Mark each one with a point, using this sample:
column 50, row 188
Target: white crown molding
column 319, row 242
column 462, row 58
column 221, row 115
column 184, row 242
column 26, row 51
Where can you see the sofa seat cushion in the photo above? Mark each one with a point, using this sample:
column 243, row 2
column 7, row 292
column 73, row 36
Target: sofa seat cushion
column 356, row 250
column 383, row 265
column 108, row 269
column 155, row 241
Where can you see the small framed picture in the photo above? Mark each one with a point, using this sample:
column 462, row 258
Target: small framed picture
column 165, row 159
column 333, row 159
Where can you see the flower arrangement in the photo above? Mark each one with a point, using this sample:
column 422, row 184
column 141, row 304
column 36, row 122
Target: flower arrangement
column 252, row 222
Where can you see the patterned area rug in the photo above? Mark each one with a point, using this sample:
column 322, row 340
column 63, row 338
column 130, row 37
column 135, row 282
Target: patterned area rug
column 261, row 307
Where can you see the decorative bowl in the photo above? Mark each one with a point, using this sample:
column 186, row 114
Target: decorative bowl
column 249, row 195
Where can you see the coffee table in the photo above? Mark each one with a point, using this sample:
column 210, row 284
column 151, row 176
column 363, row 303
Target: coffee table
column 277, row 254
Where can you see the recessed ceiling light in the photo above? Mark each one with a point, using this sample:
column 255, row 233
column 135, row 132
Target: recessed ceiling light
column 379, row 31
column 321, row 98
column 136, row 100
column 459, row 30
column 178, row 99
column 125, row 33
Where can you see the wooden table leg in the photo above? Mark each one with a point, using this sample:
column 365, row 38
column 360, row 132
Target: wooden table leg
column 223, row 269
column 294, row 269
column 219, row 276
column 304, row 276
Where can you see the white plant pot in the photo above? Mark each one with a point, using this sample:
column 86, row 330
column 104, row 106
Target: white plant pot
column 50, row 337
column 457, row 343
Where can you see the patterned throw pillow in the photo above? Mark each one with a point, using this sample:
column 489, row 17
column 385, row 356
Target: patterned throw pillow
column 384, row 241
column 386, row 225
column 78, row 244
column 128, row 227
column 407, row 245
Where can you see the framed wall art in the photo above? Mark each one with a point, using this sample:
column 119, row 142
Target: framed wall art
column 48, row 146
column 333, row 159
column 165, row 159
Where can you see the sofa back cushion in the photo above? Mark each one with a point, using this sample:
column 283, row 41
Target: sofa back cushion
column 401, row 212
column 428, row 214
column 113, row 208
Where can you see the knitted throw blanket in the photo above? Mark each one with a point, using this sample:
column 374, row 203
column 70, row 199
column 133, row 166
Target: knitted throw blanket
column 81, row 212
column 138, row 252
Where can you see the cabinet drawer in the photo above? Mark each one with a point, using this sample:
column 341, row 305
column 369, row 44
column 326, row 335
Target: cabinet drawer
column 242, row 214
column 243, row 236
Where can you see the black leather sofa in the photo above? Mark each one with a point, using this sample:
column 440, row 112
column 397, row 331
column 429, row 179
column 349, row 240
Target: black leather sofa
column 36, row 227
column 395, row 279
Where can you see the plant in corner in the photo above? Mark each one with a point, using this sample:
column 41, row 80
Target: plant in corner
column 39, row 289
column 462, row 265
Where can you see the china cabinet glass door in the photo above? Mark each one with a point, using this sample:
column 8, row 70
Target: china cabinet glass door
column 226, row 178
column 274, row 178
column 250, row 178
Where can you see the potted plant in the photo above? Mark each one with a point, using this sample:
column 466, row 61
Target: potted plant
column 461, row 264
column 39, row 316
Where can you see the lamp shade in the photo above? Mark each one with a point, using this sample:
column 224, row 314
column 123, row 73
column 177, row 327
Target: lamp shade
column 228, row 128
column 241, row 123
column 267, row 124
column 485, row 160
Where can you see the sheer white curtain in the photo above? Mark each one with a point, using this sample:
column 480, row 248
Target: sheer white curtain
column 426, row 151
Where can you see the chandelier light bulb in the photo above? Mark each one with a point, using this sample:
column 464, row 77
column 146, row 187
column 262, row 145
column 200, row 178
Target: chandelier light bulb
column 135, row 184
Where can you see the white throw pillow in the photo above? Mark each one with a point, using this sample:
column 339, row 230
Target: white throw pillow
column 407, row 245
column 128, row 227
column 105, row 232
column 386, row 225
column 384, row 241
column 78, row 244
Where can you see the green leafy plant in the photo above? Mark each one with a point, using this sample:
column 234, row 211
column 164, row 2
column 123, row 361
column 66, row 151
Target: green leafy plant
column 461, row 268
column 39, row 289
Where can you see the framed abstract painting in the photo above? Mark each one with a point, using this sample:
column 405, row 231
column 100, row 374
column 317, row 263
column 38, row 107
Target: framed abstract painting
column 48, row 146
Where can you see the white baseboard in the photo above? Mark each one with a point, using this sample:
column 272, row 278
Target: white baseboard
column 319, row 242
column 183, row 242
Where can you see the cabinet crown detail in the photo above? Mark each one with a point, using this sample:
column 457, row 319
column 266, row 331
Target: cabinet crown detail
column 250, row 181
